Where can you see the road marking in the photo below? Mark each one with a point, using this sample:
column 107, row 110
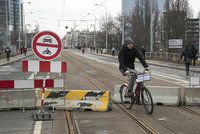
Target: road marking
column 174, row 78
column 37, row 127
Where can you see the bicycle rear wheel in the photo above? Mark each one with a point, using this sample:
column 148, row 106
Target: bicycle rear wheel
column 147, row 100
column 126, row 101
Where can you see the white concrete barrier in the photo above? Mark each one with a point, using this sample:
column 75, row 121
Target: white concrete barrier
column 165, row 95
column 116, row 94
column 192, row 96
column 161, row 95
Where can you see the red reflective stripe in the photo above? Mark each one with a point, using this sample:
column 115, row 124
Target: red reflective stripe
column 49, row 83
column 64, row 67
column 25, row 66
column 45, row 66
column 7, row 84
column 38, row 83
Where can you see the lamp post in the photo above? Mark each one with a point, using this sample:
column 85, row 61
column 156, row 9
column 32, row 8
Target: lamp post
column 6, row 22
column 94, row 35
column 151, row 25
column 26, row 39
column 106, row 25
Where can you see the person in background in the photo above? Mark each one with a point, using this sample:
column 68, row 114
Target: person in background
column 194, row 54
column 143, row 52
column 8, row 51
column 113, row 51
column 187, row 59
column 25, row 50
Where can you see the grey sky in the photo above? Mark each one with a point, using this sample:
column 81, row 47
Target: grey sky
column 48, row 12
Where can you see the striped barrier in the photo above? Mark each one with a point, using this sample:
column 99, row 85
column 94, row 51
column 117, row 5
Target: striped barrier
column 44, row 66
column 37, row 83
column 21, row 94
column 80, row 99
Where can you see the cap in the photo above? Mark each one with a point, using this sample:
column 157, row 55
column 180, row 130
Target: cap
column 128, row 41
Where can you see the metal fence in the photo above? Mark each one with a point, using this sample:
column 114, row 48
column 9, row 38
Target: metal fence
column 22, row 98
column 163, row 56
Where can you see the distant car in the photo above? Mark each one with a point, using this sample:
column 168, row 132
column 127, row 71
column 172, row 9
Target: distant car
column 47, row 39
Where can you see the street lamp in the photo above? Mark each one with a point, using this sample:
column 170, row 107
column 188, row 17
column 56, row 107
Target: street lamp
column 94, row 35
column 106, row 25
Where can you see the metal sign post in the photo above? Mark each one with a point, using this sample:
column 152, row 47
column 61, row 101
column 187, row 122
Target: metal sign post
column 47, row 46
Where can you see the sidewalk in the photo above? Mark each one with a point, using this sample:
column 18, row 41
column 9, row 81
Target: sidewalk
column 180, row 66
column 15, row 58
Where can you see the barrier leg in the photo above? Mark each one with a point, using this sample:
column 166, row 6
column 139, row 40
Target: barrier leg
column 42, row 114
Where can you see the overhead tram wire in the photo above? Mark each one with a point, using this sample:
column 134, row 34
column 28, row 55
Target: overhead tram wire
column 95, row 8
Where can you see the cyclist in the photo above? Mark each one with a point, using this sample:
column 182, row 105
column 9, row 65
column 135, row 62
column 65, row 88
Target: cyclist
column 127, row 55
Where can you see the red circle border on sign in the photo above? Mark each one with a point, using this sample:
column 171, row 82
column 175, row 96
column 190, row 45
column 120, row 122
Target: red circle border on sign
column 34, row 44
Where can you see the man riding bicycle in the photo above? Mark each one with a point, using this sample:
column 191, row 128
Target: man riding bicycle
column 126, row 58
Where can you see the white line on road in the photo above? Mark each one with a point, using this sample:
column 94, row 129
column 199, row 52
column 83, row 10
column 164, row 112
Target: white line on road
column 37, row 127
column 178, row 80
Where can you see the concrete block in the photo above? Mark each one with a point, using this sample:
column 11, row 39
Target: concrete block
column 165, row 95
column 192, row 96
column 116, row 94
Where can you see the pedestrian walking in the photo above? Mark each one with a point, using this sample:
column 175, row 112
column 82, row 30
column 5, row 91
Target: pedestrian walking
column 143, row 52
column 7, row 51
column 113, row 51
column 187, row 59
column 101, row 50
column 194, row 54
column 25, row 50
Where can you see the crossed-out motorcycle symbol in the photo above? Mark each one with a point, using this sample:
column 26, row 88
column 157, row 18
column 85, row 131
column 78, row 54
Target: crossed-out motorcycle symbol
column 47, row 51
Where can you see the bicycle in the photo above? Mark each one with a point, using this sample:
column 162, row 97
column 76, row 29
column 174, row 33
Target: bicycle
column 140, row 92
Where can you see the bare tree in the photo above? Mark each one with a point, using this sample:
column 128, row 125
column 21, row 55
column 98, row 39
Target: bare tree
column 140, row 22
column 114, row 28
column 174, row 19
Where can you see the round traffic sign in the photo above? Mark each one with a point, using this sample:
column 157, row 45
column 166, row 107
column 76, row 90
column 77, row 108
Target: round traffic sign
column 46, row 45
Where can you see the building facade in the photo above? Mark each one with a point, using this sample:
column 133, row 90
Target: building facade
column 192, row 32
column 11, row 23
column 127, row 7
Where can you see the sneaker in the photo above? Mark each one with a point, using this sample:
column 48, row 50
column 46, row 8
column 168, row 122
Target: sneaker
column 138, row 102
column 129, row 94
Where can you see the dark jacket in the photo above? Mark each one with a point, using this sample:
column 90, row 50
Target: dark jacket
column 186, row 53
column 193, row 51
column 127, row 58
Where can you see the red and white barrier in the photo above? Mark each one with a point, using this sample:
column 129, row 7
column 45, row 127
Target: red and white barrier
column 44, row 66
column 38, row 83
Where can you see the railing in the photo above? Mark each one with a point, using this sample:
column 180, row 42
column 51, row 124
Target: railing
column 163, row 56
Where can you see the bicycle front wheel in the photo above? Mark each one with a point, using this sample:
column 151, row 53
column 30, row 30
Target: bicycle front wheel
column 127, row 101
column 147, row 100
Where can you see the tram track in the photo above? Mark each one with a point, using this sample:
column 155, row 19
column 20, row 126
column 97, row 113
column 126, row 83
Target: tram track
column 71, row 125
column 122, row 79
column 98, row 84
column 190, row 110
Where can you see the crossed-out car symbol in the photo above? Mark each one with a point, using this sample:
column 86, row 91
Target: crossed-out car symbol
column 47, row 39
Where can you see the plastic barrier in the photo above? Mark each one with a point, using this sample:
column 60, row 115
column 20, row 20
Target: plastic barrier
column 192, row 96
column 80, row 99
column 44, row 66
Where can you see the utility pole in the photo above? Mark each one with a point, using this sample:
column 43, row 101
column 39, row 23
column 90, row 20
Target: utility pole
column 123, row 32
column 199, row 39
column 151, row 25
column 6, row 31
